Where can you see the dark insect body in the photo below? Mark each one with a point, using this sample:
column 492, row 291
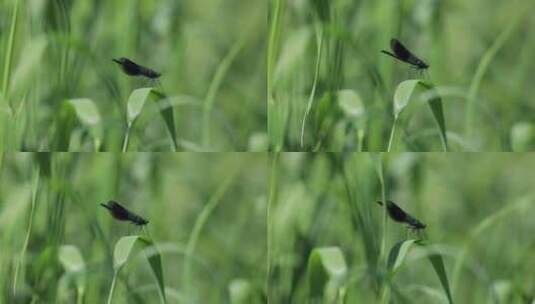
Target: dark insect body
column 122, row 214
column 133, row 69
column 403, row 54
column 399, row 215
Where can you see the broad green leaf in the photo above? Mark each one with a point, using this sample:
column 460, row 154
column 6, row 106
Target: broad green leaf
column 73, row 262
column 522, row 136
column 397, row 254
column 406, row 91
column 241, row 291
column 135, row 105
column 126, row 246
column 123, row 249
column 71, row 258
column 327, row 270
column 350, row 103
column 89, row 116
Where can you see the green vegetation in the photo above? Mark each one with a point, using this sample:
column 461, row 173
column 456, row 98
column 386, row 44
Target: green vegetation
column 204, row 243
column 329, row 242
column 478, row 85
column 55, row 55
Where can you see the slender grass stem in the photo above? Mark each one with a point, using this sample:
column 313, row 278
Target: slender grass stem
column 382, row 254
column 273, row 183
column 126, row 138
column 273, row 43
column 391, row 138
column 112, row 288
column 210, row 206
column 28, row 231
column 314, row 83
column 9, row 53
column 219, row 75
column 482, row 68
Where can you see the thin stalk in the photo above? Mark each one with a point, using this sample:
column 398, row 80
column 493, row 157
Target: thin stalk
column 313, row 91
column 274, row 31
column 271, row 202
column 219, row 75
column 112, row 288
column 126, row 137
column 382, row 253
column 482, row 68
column 28, row 231
column 9, row 52
column 207, row 210
column 392, row 132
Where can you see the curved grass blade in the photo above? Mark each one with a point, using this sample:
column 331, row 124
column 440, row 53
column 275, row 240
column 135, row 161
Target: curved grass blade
column 327, row 270
column 20, row 264
column 438, row 265
column 397, row 255
column 135, row 105
column 404, row 94
column 9, row 50
column 128, row 245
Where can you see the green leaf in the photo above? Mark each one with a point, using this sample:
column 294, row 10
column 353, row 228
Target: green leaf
column 327, row 270
column 522, row 137
column 70, row 257
column 438, row 264
column 404, row 94
column 123, row 249
column 397, row 254
column 241, row 291
column 89, row 116
column 135, row 105
column 127, row 245
column 350, row 103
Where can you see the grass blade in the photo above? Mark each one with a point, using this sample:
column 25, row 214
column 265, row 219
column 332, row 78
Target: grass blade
column 438, row 265
column 9, row 50
column 135, row 105
column 402, row 97
column 127, row 246
column 397, row 255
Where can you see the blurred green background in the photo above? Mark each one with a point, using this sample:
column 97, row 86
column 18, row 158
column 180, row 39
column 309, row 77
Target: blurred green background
column 481, row 61
column 211, row 54
column 223, row 195
column 478, row 209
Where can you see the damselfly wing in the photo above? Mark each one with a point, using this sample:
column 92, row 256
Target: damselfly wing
column 133, row 69
column 122, row 214
column 399, row 215
column 403, row 54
